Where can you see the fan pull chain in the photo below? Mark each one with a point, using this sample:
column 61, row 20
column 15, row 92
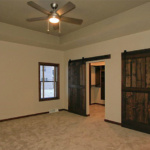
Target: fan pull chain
column 48, row 26
column 59, row 27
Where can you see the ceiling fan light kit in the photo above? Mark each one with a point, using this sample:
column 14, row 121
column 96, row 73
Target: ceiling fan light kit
column 54, row 20
column 55, row 17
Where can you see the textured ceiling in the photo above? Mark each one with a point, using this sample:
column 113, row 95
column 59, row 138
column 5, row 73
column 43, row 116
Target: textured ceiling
column 16, row 12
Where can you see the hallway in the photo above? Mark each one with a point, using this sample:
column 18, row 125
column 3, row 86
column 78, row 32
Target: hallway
column 97, row 111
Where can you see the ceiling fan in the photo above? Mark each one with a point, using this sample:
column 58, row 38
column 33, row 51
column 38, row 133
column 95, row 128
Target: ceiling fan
column 55, row 16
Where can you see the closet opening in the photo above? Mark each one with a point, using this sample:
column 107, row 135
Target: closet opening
column 97, row 87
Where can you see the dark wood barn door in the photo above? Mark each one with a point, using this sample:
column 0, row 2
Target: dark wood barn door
column 77, row 87
column 136, row 90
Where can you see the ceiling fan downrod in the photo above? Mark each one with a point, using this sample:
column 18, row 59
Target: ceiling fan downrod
column 59, row 27
column 48, row 27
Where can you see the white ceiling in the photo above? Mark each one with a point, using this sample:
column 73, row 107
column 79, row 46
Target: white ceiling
column 15, row 12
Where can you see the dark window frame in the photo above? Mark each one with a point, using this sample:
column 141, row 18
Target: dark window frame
column 58, row 82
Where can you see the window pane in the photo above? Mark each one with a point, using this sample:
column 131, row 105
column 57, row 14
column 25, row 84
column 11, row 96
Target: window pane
column 48, row 73
column 41, row 73
column 48, row 89
column 56, row 68
column 55, row 89
column 41, row 89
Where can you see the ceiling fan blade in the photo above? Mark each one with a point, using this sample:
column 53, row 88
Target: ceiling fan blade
column 39, row 8
column 37, row 19
column 66, row 8
column 55, row 26
column 72, row 20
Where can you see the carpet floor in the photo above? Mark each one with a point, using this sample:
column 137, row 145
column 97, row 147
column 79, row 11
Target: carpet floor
column 68, row 131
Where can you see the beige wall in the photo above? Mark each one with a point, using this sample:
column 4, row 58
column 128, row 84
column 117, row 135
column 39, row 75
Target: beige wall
column 19, row 74
column 112, row 66
column 19, row 79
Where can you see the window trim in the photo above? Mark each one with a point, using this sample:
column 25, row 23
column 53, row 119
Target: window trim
column 58, row 82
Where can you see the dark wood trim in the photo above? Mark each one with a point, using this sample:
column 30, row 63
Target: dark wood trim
column 48, row 64
column 92, row 58
column 49, row 99
column 130, row 89
column 84, row 115
column 58, row 82
column 97, row 104
column 113, row 122
column 42, row 113
column 24, row 116
column 63, row 110
column 141, row 128
column 39, row 80
column 90, row 83
column 58, row 87
column 98, row 57
column 122, row 82
column 136, row 53
column 140, row 51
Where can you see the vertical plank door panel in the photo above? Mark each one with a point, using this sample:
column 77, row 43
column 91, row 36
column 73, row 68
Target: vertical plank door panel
column 140, row 108
column 139, row 77
column 130, row 106
column 77, row 87
column 136, row 90
column 134, row 84
column 128, row 73
column 147, row 72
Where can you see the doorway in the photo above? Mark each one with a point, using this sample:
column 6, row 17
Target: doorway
column 95, row 87
column 97, row 83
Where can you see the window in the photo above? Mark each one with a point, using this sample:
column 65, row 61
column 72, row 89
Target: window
column 48, row 81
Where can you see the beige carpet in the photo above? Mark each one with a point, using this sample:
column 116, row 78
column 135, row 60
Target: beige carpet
column 67, row 131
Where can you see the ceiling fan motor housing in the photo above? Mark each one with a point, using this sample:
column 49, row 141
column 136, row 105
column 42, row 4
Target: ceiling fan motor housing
column 54, row 14
column 54, row 5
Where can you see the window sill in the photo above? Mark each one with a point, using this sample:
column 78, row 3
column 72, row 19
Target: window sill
column 48, row 99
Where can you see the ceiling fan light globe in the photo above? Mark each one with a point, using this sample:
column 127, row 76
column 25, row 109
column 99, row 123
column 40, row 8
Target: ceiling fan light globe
column 54, row 20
